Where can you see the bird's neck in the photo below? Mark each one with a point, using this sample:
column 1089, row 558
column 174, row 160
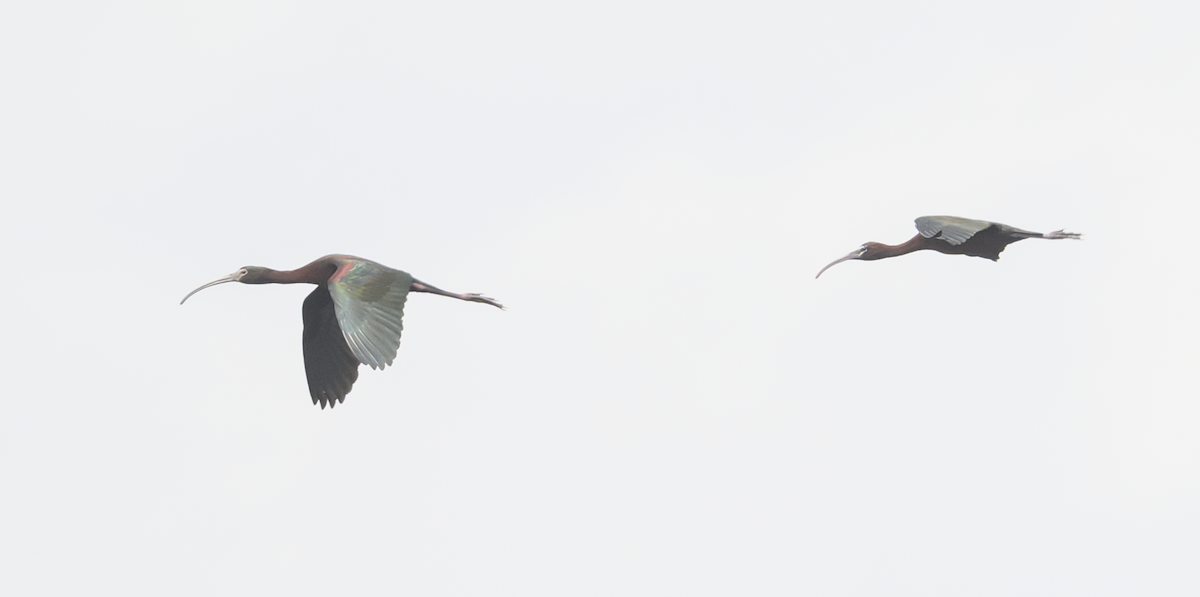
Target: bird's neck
column 916, row 243
column 317, row 272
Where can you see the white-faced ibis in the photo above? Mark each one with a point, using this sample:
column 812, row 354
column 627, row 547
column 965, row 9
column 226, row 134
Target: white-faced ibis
column 354, row 316
column 953, row 236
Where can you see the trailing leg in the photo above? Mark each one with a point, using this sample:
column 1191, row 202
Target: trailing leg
column 1061, row 234
column 419, row 286
column 1018, row 234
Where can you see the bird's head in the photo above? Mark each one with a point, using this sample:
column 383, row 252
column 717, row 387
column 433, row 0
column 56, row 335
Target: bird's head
column 251, row 274
column 869, row 251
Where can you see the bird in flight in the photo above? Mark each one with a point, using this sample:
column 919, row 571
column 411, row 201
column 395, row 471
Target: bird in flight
column 952, row 236
column 354, row 316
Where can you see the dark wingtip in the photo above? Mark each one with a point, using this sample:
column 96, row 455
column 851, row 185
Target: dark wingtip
column 323, row 401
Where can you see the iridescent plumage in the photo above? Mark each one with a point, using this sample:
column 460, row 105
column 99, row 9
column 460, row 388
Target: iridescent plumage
column 355, row 315
column 953, row 236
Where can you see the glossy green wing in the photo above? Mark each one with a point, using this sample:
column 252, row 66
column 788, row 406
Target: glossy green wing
column 955, row 231
column 330, row 366
column 369, row 301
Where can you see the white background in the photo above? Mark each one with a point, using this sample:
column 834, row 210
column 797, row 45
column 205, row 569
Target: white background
column 671, row 404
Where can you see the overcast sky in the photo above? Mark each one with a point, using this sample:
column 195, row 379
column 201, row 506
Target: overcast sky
column 671, row 404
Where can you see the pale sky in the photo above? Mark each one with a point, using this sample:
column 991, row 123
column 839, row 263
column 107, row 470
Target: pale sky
column 671, row 404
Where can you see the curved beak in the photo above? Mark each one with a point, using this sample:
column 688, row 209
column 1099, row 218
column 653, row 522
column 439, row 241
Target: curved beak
column 855, row 254
column 230, row 278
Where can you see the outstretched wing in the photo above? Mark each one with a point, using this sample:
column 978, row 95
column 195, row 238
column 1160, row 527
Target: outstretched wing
column 369, row 301
column 330, row 366
column 955, row 231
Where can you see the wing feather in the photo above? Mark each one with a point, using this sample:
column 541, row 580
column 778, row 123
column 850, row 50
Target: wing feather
column 953, row 230
column 329, row 364
column 369, row 301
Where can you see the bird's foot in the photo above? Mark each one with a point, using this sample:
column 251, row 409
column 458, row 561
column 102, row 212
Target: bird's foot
column 1061, row 234
column 479, row 298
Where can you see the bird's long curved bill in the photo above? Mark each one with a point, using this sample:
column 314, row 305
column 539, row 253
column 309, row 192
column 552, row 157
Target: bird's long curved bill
column 229, row 278
column 852, row 255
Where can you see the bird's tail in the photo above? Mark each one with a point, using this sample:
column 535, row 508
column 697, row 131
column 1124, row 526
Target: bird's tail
column 1060, row 234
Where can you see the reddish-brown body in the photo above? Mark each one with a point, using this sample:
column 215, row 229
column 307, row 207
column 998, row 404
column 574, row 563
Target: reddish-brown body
column 353, row 316
column 987, row 244
column 952, row 236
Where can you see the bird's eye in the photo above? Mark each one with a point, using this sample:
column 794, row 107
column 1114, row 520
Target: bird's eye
column 242, row 272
